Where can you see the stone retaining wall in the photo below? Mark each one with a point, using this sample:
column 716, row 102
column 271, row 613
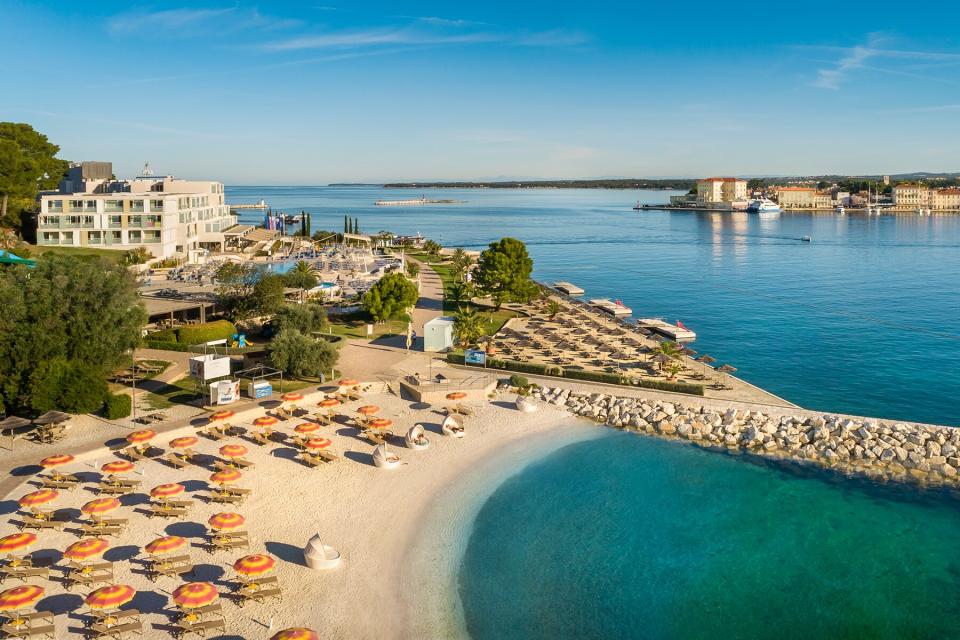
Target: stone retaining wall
column 881, row 449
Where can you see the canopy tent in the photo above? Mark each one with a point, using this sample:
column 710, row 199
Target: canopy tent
column 52, row 417
column 13, row 422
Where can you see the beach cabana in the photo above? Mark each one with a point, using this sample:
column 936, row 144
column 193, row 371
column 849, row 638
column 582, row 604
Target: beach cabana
column 416, row 438
column 451, row 426
column 384, row 459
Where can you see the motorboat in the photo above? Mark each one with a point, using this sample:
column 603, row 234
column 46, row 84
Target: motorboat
column 416, row 438
column 451, row 426
column 806, row 239
column 841, row 210
column 763, row 205
column 384, row 458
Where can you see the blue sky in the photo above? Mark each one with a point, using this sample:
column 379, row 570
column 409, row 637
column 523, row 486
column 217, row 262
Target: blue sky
column 311, row 93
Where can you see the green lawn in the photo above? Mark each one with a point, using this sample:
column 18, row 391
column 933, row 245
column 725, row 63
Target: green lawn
column 184, row 391
column 113, row 255
column 357, row 328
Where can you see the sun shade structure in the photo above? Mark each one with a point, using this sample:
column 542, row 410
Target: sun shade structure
column 13, row 422
column 226, row 476
column 86, row 549
column 16, row 542
column 20, row 597
column 56, row 461
column 296, row 633
column 326, row 403
column 226, row 521
column 318, row 443
column 265, row 421
column 117, row 466
column 368, row 410
column 165, row 544
column 254, row 565
column 167, row 490
column 348, row 382
column 291, row 396
column 36, row 498
column 195, row 594
column 222, row 415
column 380, row 423
column 52, row 417
column 233, row 451
column 306, row 427
column 456, row 395
column 144, row 435
column 183, row 443
column 110, row 597
column 100, row 505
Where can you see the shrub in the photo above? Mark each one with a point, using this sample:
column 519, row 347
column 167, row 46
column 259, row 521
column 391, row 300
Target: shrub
column 592, row 376
column 164, row 335
column 70, row 386
column 162, row 345
column 301, row 356
column 197, row 333
column 676, row 387
column 390, row 297
column 519, row 381
column 118, row 406
column 305, row 318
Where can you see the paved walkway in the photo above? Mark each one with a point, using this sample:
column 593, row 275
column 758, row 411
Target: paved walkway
column 430, row 304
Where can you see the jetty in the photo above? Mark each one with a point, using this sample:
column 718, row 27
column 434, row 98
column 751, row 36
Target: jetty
column 255, row 205
column 414, row 203
column 613, row 308
column 664, row 328
column 568, row 288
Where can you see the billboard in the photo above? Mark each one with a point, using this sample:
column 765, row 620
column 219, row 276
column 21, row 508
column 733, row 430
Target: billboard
column 209, row 367
column 224, row 392
column 475, row 356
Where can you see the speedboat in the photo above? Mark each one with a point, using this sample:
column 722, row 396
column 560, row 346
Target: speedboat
column 805, row 239
column 763, row 205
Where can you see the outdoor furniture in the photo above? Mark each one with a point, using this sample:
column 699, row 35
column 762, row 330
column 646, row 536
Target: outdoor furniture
column 114, row 489
column 312, row 460
column 282, row 414
column 30, row 522
column 65, row 483
column 236, row 491
column 213, row 627
column 106, row 618
column 96, row 531
column 88, row 578
column 175, row 460
column 221, row 542
column 173, row 567
column 42, row 631
column 23, row 572
column 226, row 498
column 165, row 512
column 117, row 632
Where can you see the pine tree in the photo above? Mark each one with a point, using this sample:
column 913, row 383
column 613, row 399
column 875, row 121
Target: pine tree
column 356, row 226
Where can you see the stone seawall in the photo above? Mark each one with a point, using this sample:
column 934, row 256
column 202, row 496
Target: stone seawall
column 881, row 449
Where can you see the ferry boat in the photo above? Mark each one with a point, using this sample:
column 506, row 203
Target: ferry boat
column 763, row 205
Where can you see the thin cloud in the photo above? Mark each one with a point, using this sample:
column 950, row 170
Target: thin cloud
column 856, row 58
column 193, row 21
column 416, row 37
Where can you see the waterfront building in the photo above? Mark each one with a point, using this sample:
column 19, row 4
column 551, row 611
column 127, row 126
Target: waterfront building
column 718, row 191
column 803, row 198
column 917, row 196
column 165, row 215
column 945, row 200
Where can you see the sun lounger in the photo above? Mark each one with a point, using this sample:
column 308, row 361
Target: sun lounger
column 311, row 460
column 236, row 491
column 165, row 512
column 112, row 522
column 259, row 595
column 96, row 566
column 31, row 616
column 212, row 627
column 23, row 573
column 113, row 617
column 89, row 579
column 216, row 609
column 213, row 432
column 177, row 504
column 120, row 482
column 175, row 460
column 224, row 543
column 260, row 437
column 321, row 419
column 114, row 490
column 29, row 522
column 87, row 529
column 463, row 410
column 132, row 453
column 117, row 632
column 282, row 414
column 242, row 463
column 172, row 567
column 67, row 482
column 226, row 498
column 44, row 631
column 327, row 455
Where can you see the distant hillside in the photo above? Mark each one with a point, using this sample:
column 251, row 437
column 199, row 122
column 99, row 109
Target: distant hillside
column 629, row 183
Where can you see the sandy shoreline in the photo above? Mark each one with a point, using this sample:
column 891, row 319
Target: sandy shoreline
column 400, row 531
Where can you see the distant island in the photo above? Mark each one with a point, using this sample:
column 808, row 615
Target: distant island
column 629, row 183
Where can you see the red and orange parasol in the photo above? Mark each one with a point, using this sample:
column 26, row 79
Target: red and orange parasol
column 306, row 427
column 167, row 490
column 254, row 565
column 456, row 395
column 348, row 382
column 265, row 421
column 183, row 443
column 195, row 594
column 165, row 544
column 86, row 549
column 56, row 461
column 296, row 633
column 110, row 597
column 36, row 498
column 327, row 403
column 222, row 415
column 226, row 521
column 144, row 435
column 20, row 597
column 117, row 466
column 318, row 443
column 292, row 396
column 233, row 451
column 368, row 410
column 16, row 542
column 100, row 505
column 380, row 423
column 225, row 476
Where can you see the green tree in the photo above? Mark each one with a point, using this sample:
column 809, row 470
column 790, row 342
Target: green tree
column 459, row 292
column 27, row 164
column 140, row 255
column 468, row 326
column 413, row 269
column 461, row 263
column 84, row 312
column 432, row 247
column 503, row 272
column 306, row 318
column 553, row 308
column 668, row 354
column 235, row 282
column 301, row 276
column 390, row 297
column 301, row 356
column 268, row 294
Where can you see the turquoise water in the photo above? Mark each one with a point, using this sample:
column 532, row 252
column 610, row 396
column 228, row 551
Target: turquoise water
column 861, row 320
column 633, row 537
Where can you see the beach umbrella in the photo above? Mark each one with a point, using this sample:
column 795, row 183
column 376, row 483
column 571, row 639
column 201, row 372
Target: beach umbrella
column 705, row 359
column 327, row 403
column 233, row 451
column 36, row 498
column 225, row 476
column 292, row 396
column 318, row 443
column 368, row 410
column 348, row 382
column 86, row 549
column 16, row 542
column 167, row 490
column 100, row 505
column 456, row 395
column 254, row 565
column 20, row 597
column 110, row 597
column 56, row 461
column 117, row 466
column 183, row 443
column 165, row 544
column 379, row 423
column 296, row 633
column 195, row 594
column 265, row 421
column 226, row 521
column 726, row 368
column 144, row 435
column 306, row 427
column 221, row 415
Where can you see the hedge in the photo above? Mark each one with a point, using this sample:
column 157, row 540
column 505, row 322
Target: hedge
column 118, row 406
column 164, row 335
column 676, row 387
column 165, row 346
column 197, row 333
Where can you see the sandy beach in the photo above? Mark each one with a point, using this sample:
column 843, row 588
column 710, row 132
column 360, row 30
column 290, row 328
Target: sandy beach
column 400, row 531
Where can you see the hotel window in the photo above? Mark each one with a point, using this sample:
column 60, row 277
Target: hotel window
column 156, row 205
column 94, row 237
column 135, row 221
column 76, row 205
column 116, row 237
column 87, row 221
column 55, row 206
column 67, row 237
column 51, row 237
column 111, row 206
column 151, row 236
column 114, row 221
column 134, row 237
column 136, row 206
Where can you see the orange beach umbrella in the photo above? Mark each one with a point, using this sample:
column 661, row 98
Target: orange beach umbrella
column 306, row 427
column 348, row 382
column 379, row 423
column 456, row 395
column 117, row 466
column 165, row 544
column 225, row 477
column 233, row 451
column 110, row 597
column 167, row 490
column 20, row 597
column 16, row 542
column 195, row 594
column 265, row 421
column 100, row 505
column 183, row 443
column 368, row 410
column 226, row 521
column 296, row 633
column 144, row 435
column 35, row 498
column 318, row 443
column 56, row 461
column 86, row 549
column 254, row 565
column 222, row 415
column 326, row 403
column 291, row 396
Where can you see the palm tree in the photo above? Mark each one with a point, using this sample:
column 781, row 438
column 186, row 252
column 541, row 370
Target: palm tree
column 668, row 352
column 459, row 292
column 461, row 262
column 468, row 326
column 553, row 308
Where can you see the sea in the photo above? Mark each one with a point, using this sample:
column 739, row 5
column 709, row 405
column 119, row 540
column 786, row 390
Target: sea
column 632, row 537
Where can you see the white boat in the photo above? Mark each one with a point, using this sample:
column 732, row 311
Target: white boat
column 385, row 459
column 452, row 427
column 415, row 438
column 763, row 205
column 841, row 210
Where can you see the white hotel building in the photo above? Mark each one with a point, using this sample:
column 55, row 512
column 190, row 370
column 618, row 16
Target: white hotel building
column 165, row 215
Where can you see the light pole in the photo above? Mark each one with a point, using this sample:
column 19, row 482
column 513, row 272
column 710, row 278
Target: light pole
column 133, row 381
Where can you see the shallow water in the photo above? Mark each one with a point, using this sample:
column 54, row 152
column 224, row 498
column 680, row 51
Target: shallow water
column 862, row 320
column 632, row 537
